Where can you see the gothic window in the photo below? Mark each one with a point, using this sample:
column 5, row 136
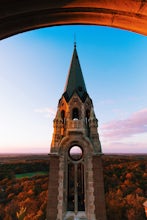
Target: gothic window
column 71, row 188
column 87, row 121
column 75, row 196
column 63, row 116
column 75, row 114
column 87, row 115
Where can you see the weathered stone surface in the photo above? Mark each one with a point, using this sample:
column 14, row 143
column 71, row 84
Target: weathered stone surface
column 53, row 187
column 75, row 180
column 17, row 16
column 100, row 210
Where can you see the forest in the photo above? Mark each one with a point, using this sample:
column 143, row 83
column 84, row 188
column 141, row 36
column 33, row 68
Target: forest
column 25, row 198
column 125, row 180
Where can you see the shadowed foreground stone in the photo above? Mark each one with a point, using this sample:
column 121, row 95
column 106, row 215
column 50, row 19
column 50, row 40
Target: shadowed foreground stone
column 17, row 16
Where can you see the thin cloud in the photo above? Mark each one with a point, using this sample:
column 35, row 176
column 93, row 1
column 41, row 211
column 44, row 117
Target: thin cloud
column 135, row 124
column 119, row 147
column 48, row 112
column 134, row 99
column 119, row 112
column 107, row 102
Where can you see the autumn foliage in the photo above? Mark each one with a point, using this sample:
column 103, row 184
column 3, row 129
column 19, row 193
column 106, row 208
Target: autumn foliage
column 26, row 198
column 125, row 187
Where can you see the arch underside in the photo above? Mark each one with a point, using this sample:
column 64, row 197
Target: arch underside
column 17, row 16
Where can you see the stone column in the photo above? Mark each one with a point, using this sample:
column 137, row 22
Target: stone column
column 53, row 187
column 90, row 206
column 61, row 202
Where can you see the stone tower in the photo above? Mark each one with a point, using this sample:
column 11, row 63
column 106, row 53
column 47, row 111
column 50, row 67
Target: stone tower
column 76, row 189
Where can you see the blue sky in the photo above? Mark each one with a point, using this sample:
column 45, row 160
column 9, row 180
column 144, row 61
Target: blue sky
column 33, row 70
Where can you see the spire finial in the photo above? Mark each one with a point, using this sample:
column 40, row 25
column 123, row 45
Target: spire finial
column 74, row 40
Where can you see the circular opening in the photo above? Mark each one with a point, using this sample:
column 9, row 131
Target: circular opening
column 75, row 153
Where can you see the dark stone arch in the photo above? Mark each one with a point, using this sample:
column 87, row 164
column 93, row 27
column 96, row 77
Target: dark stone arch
column 17, row 16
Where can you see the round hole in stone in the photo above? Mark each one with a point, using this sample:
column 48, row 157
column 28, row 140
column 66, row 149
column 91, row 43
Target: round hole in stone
column 75, row 153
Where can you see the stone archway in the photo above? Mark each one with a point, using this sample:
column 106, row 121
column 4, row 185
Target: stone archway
column 17, row 16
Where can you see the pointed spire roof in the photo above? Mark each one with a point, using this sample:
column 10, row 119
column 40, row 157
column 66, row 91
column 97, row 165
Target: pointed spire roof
column 75, row 81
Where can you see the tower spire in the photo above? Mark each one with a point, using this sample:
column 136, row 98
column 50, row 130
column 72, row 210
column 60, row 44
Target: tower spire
column 74, row 40
column 75, row 154
column 75, row 81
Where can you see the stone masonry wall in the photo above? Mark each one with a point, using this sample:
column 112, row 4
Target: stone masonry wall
column 100, row 209
column 53, row 188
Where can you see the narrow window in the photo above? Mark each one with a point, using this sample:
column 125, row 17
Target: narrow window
column 75, row 193
column 75, row 114
column 87, row 115
column 87, row 121
column 71, row 179
column 63, row 116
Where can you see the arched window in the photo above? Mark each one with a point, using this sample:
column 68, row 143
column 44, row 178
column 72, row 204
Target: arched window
column 75, row 114
column 87, row 115
column 75, row 190
column 63, row 116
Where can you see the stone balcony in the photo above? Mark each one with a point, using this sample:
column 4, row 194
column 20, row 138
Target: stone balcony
column 75, row 126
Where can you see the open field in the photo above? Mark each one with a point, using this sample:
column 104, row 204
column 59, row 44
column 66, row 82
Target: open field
column 31, row 174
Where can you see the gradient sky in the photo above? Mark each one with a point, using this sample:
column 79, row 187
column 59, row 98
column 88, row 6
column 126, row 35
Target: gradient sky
column 33, row 70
